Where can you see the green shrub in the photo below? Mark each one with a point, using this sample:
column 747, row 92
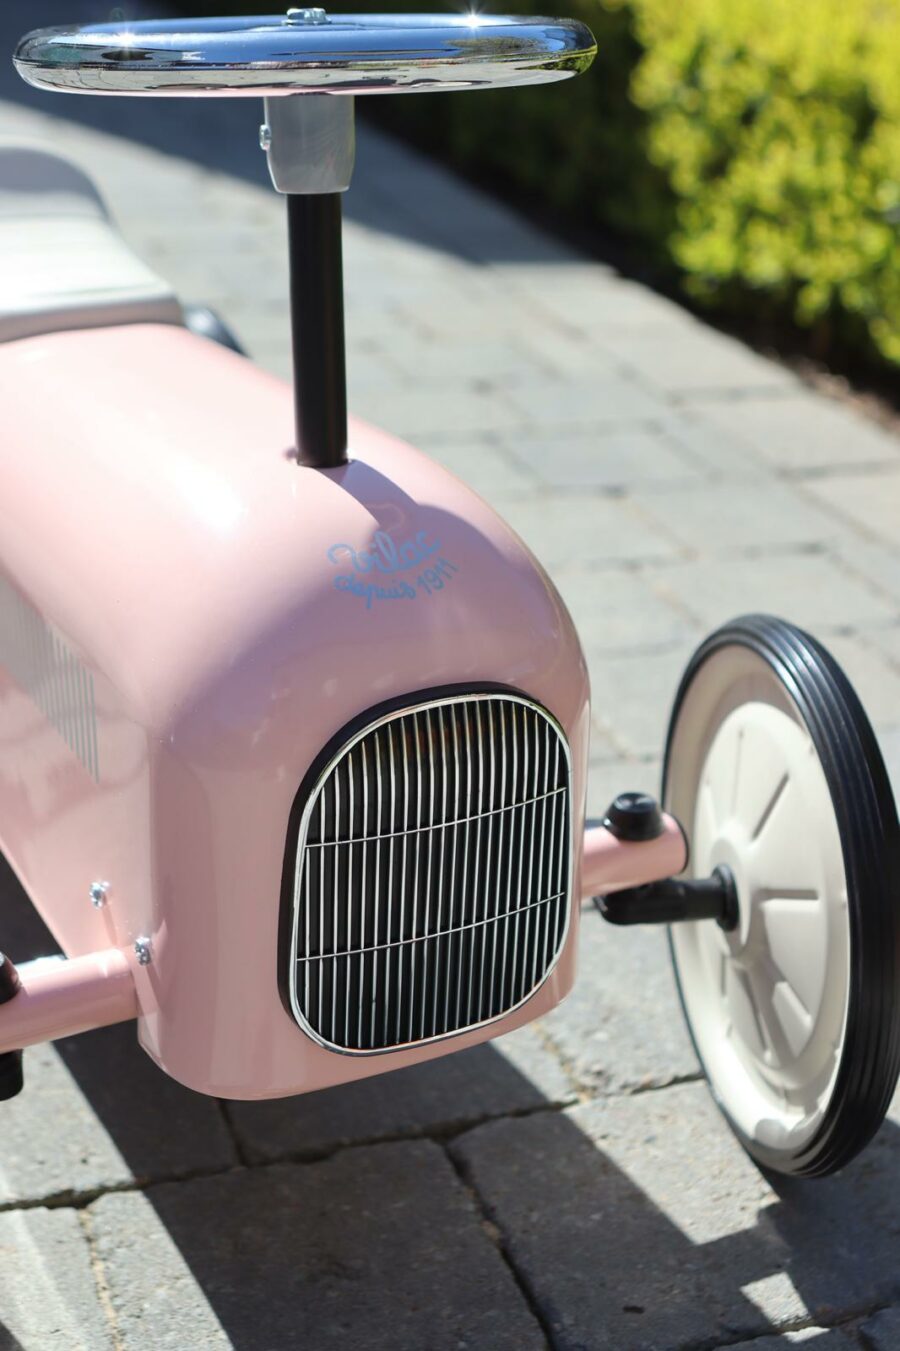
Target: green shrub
column 754, row 145
column 777, row 125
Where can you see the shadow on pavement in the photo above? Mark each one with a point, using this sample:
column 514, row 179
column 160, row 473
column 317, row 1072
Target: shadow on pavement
column 383, row 1244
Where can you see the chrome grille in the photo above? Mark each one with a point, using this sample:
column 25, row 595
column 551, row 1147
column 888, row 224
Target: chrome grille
column 432, row 881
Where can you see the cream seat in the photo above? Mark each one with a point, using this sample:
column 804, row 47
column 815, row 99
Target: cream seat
column 63, row 264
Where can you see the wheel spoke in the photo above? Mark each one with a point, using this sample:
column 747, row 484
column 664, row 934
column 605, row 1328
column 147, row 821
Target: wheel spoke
column 796, row 939
column 770, row 807
column 763, row 894
column 787, row 861
column 761, row 994
column 764, row 781
column 793, row 1017
column 744, row 1017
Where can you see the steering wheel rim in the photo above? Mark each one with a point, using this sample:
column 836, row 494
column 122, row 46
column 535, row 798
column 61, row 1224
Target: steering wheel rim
column 305, row 51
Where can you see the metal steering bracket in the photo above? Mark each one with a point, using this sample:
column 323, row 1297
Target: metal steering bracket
column 310, row 144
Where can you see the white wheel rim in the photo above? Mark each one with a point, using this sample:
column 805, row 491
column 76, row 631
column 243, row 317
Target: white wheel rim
column 767, row 1003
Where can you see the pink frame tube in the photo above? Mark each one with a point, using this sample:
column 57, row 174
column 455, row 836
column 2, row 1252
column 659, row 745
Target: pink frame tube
column 609, row 864
column 59, row 998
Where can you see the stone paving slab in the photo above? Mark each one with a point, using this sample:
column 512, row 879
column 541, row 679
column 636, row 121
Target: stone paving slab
column 97, row 1114
column 632, row 697
column 483, row 463
column 721, row 454
column 49, row 1297
column 875, row 565
column 716, row 519
column 701, row 361
column 596, row 400
column 623, row 615
column 379, row 1248
column 882, row 1333
column 851, row 496
column 617, row 458
column 621, row 1029
column 812, row 589
column 568, row 529
column 798, row 432
column 681, row 1240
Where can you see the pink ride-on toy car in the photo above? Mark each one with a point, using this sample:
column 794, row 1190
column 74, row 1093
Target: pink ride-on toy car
column 294, row 730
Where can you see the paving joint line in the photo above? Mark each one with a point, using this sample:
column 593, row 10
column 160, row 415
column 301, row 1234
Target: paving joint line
column 844, row 563
column 695, row 1077
column 495, row 1235
column 233, row 1133
column 104, row 1294
column 870, row 469
column 72, row 1199
column 441, row 1134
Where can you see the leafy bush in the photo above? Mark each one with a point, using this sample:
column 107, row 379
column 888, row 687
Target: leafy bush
column 777, row 126
column 752, row 144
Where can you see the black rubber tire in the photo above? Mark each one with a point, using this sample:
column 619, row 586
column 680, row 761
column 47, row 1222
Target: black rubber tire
column 867, row 822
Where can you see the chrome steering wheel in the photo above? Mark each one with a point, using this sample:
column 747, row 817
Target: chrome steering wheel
column 309, row 142
column 305, row 51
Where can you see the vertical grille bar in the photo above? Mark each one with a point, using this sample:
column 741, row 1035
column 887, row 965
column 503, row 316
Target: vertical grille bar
column 489, row 894
column 476, row 877
column 390, row 952
column 364, row 831
column 377, row 889
column 443, row 846
column 428, row 876
column 433, row 875
column 336, row 896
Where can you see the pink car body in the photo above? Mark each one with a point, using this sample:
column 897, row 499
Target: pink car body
column 188, row 617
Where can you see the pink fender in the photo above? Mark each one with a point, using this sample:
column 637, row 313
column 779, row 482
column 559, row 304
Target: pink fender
column 188, row 631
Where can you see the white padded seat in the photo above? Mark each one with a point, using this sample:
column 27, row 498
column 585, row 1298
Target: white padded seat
column 63, row 264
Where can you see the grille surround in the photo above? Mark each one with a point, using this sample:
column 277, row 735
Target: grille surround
column 305, row 948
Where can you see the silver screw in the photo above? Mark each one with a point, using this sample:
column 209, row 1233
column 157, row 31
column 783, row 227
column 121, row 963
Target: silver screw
column 142, row 951
column 265, row 136
column 98, row 894
column 307, row 16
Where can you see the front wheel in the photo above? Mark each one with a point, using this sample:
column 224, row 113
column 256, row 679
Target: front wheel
column 774, row 770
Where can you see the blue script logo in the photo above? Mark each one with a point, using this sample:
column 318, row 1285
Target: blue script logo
column 385, row 556
column 387, row 559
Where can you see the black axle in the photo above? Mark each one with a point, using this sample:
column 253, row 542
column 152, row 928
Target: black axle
column 675, row 900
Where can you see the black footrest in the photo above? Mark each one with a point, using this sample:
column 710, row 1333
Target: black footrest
column 12, row 1078
column 11, row 1075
